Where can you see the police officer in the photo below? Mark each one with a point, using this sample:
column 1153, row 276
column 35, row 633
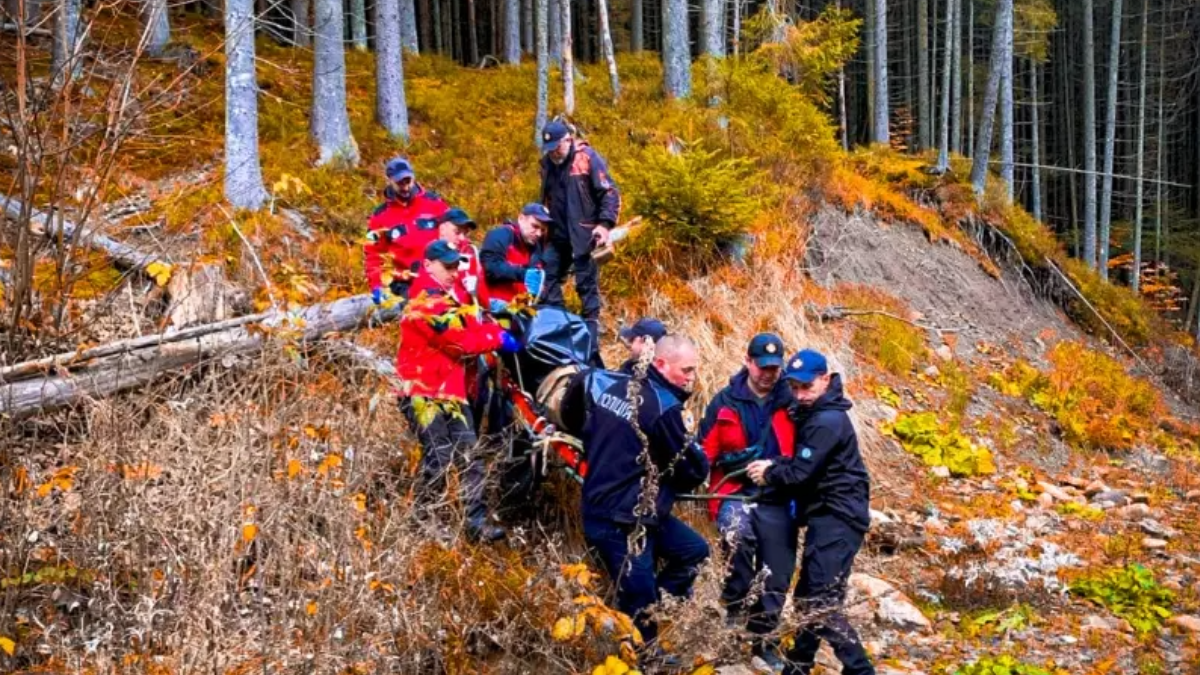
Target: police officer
column 402, row 226
column 639, row 337
column 619, row 505
column 827, row 476
column 511, row 254
column 745, row 421
column 436, row 335
column 585, row 203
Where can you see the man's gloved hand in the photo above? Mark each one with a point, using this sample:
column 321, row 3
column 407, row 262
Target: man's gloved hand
column 732, row 461
column 399, row 288
column 508, row 343
column 534, row 278
column 377, row 296
column 496, row 306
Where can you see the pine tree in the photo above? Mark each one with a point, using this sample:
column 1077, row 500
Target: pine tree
column 1007, row 157
column 1110, row 137
column 713, row 32
column 1089, row 135
column 606, row 46
column 65, row 55
column 330, row 123
column 358, row 24
column 512, row 31
column 943, row 163
column 243, row 173
column 880, row 119
column 391, row 111
column 676, row 56
column 301, row 23
column 408, row 27
column 543, row 69
column 158, row 26
column 924, row 104
column 987, row 117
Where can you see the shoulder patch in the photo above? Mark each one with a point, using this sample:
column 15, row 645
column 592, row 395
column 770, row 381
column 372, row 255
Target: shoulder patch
column 689, row 421
column 806, row 453
column 426, row 224
column 432, row 194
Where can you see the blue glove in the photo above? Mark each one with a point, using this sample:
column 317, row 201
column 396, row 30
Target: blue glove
column 533, row 281
column 377, row 296
column 496, row 306
column 508, row 343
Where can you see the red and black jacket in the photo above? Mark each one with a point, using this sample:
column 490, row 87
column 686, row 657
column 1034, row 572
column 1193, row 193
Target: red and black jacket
column 506, row 257
column 735, row 421
column 401, row 229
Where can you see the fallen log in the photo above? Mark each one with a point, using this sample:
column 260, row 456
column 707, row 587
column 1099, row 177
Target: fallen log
column 129, row 366
column 123, row 255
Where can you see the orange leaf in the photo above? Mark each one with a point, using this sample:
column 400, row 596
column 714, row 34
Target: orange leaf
column 249, row 532
column 294, row 467
column 7, row 645
column 311, row 608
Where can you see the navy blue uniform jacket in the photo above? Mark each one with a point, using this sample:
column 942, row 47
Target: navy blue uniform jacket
column 579, row 192
column 826, row 473
column 596, row 409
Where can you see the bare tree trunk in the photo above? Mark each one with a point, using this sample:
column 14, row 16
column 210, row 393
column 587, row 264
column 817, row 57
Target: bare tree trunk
column 1035, row 132
column 943, row 163
column 713, row 28
column 1007, row 158
column 301, row 23
column 637, row 27
column 330, row 123
column 543, row 69
column 881, row 118
column 426, row 19
column 158, row 26
column 243, row 171
column 1110, row 138
column 606, row 46
column 1161, row 143
column 568, row 59
column 1089, row 135
column 924, row 100
column 527, row 44
column 676, row 54
column 439, row 42
column 66, row 49
column 358, row 24
column 987, row 117
column 956, row 79
column 737, row 41
column 1141, row 149
column 512, row 31
column 555, row 33
column 472, row 34
column 869, row 50
column 391, row 111
column 409, row 41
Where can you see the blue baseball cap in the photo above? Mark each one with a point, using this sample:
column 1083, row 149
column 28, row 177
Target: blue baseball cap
column 552, row 133
column 398, row 169
column 806, row 366
column 443, row 253
column 645, row 327
column 458, row 217
column 766, row 349
column 537, row 211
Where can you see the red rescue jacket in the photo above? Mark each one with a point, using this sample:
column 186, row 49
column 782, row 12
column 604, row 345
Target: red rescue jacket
column 506, row 257
column 472, row 268
column 439, row 329
column 401, row 229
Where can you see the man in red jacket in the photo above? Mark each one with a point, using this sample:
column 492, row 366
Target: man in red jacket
column 455, row 228
column 402, row 226
column 749, row 420
column 511, row 254
column 439, row 329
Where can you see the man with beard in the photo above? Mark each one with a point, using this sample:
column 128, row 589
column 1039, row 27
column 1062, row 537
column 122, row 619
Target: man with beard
column 402, row 226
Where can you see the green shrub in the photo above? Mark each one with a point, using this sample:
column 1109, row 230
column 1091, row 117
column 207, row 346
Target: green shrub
column 939, row 445
column 1131, row 593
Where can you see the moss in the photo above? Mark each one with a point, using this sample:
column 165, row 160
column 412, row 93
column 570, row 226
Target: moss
column 938, row 444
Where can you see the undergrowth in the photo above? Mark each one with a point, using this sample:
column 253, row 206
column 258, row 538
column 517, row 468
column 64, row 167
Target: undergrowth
column 1131, row 593
column 938, row 444
column 1003, row 665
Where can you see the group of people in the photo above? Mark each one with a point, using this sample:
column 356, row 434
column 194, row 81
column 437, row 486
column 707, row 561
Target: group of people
column 776, row 444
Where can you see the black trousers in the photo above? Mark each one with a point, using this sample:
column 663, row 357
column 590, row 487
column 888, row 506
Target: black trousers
column 830, row 546
column 756, row 537
column 447, row 437
column 558, row 257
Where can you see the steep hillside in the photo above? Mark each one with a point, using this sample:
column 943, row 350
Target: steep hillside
column 1035, row 494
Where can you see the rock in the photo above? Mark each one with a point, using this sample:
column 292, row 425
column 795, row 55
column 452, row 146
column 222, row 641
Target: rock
column 1152, row 544
column 898, row 670
column 1046, row 500
column 933, row 373
column 1114, row 497
column 1140, row 498
column 736, row 669
column 1077, row 483
column 940, row 471
column 1097, row 622
column 944, row 353
column 1094, row 487
column 1057, row 493
column 934, row 526
column 891, row 606
column 880, row 519
column 1133, row 511
column 1156, row 529
column 1192, row 496
column 1186, row 622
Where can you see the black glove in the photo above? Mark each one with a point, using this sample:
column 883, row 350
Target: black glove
column 733, row 461
column 399, row 288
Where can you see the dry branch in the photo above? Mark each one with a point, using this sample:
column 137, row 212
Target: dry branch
column 123, row 255
column 139, row 362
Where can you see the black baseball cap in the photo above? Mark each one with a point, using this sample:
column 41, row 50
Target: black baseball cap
column 398, row 169
column 458, row 217
column 766, row 349
column 443, row 253
column 645, row 327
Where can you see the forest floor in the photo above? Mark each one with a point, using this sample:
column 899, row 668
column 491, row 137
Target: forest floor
column 1035, row 491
